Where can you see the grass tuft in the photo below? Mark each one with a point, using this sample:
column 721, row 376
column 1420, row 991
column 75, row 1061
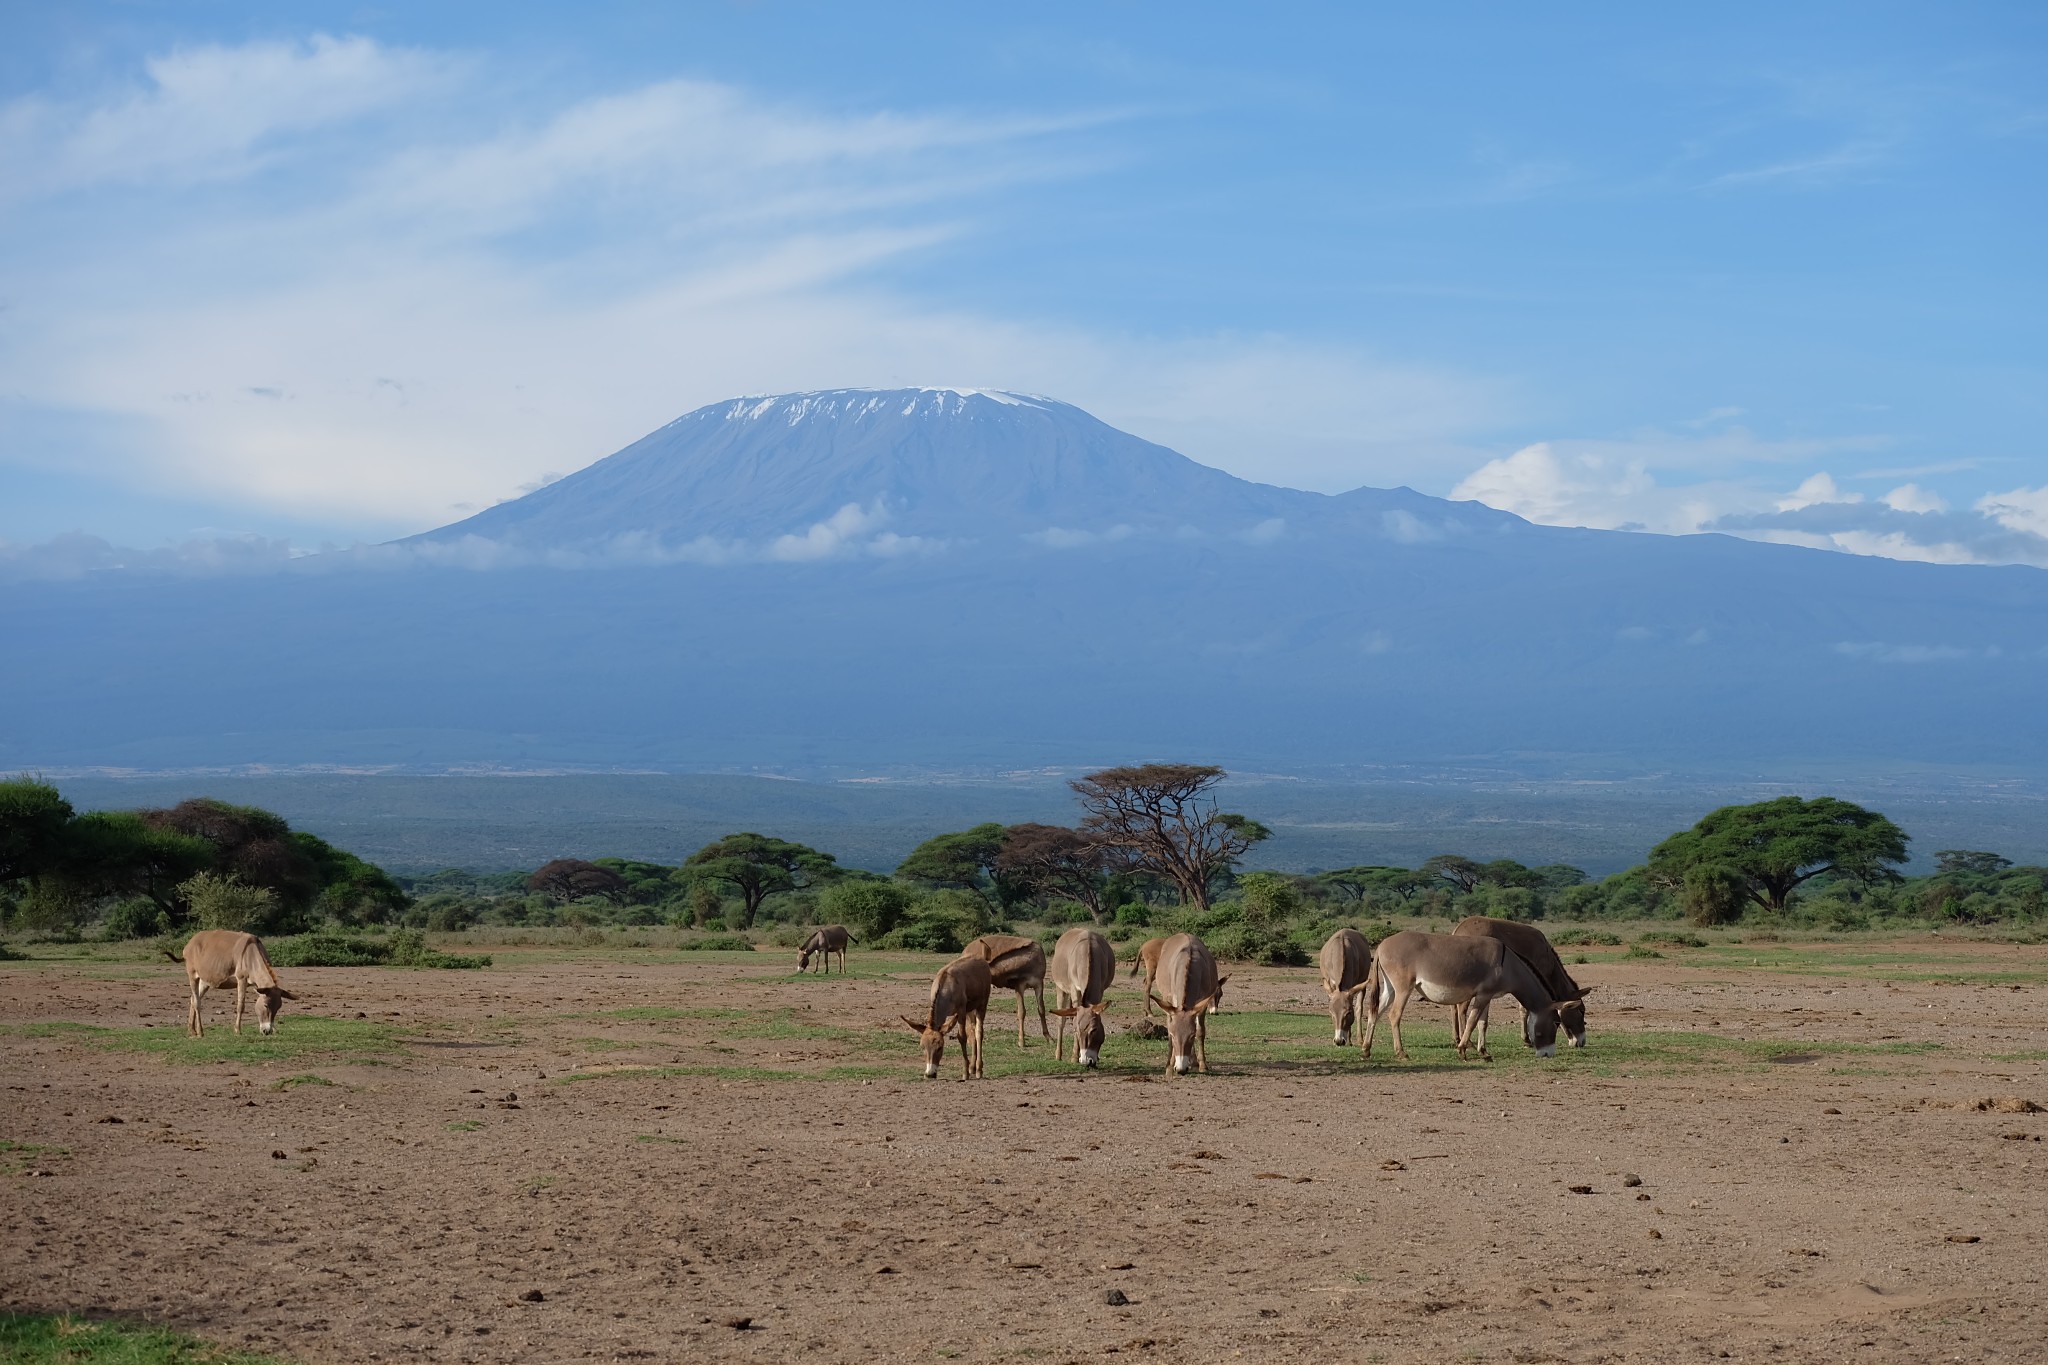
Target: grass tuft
column 60, row 1339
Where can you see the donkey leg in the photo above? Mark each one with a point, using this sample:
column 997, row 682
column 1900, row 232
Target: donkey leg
column 240, row 987
column 1042, row 1030
column 1394, row 1012
column 193, row 1028
column 1020, row 1017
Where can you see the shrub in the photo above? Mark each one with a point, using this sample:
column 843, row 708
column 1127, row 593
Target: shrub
column 136, row 917
column 405, row 948
column 219, row 902
column 1587, row 938
column 1671, row 938
column 721, row 943
column 1135, row 915
column 872, row 908
column 1715, row 895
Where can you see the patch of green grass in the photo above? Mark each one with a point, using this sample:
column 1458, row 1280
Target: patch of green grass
column 297, row 1037
column 16, row 1157
column 60, row 1339
column 465, row 1125
column 304, row 1078
column 2033, row 1055
column 50, row 1028
column 534, row 1184
column 1670, row 938
column 1638, row 950
column 1930, row 964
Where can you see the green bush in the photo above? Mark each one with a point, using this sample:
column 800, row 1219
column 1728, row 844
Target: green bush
column 721, row 943
column 218, row 902
column 405, row 948
column 1587, row 938
column 1135, row 915
column 1671, row 938
column 870, row 908
column 136, row 917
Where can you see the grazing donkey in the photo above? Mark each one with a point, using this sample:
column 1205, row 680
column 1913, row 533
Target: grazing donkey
column 1188, row 987
column 959, row 1004
column 1147, row 961
column 1346, row 964
column 1527, row 942
column 1083, row 965
column 822, row 943
column 1014, row 964
column 1456, row 970
column 215, row 957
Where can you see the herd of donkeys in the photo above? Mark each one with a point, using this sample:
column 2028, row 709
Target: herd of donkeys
column 1467, row 969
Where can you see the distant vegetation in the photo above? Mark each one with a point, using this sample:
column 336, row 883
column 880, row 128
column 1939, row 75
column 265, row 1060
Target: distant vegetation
column 1152, row 853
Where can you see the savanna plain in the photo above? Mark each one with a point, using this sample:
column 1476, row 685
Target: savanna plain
column 1821, row 1149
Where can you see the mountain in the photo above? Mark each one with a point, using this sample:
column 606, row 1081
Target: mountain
column 931, row 579
column 911, row 468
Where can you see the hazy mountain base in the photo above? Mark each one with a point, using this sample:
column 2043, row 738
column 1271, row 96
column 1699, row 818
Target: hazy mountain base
column 416, row 824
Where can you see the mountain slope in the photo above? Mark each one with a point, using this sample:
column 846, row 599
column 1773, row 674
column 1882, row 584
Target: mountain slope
column 1227, row 621
column 937, row 465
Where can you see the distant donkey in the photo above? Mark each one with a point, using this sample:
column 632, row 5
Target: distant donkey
column 213, row 959
column 824, row 942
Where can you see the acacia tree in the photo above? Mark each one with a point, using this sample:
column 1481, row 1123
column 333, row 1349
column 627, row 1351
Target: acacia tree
column 1052, row 860
column 1357, row 884
column 1462, row 873
column 573, row 879
column 1161, row 818
column 967, row 860
column 757, row 867
column 1775, row 847
column 33, row 820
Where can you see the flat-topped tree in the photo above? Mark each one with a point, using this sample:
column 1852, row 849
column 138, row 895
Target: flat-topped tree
column 756, row 867
column 966, row 860
column 1161, row 818
column 1052, row 860
column 1774, row 847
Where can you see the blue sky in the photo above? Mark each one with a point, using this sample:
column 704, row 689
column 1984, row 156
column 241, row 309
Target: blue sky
column 329, row 273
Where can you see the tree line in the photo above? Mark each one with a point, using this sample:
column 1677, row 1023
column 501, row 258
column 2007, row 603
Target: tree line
column 1153, row 850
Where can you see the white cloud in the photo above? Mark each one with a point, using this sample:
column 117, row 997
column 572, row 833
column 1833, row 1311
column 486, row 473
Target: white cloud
column 429, row 322
column 1818, row 488
column 1911, row 497
column 206, row 113
column 1610, row 485
column 2021, row 509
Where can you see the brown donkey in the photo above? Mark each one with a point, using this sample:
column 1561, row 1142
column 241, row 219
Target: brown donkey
column 959, row 1004
column 1529, row 943
column 1014, row 964
column 1083, row 965
column 824, row 942
column 1188, row 987
column 216, row 957
column 1346, row 967
column 1448, row 969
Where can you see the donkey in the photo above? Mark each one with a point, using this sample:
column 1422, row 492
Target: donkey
column 959, row 1004
column 1456, row 970
column 1346, row 964
column 1188, row 988
column 824, row 942
column 215, row 957
column 1083, row 965
column 1527, row 942
column 1147, row 961
column 1014, row 964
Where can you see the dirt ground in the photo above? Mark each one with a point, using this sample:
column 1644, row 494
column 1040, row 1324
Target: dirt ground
column 572, row 1158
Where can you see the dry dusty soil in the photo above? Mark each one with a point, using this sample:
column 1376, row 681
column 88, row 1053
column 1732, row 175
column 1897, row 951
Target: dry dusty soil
column 1816, row 1156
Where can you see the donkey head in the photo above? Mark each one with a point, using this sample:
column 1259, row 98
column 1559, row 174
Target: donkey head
column 934, row 1041
column 1572, row 1016
column 1089, row 1031
column 803, row 959
column 1539, row 1027
column 1343, row 1013
column 268, row 1002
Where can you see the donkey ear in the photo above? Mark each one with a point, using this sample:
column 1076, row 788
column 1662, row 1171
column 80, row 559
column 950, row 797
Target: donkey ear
column 284, row 994
column 1099, row 1006
column 1585, row 991
column 911, row 1024
column 1066, row 1013
column 1221, row 982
